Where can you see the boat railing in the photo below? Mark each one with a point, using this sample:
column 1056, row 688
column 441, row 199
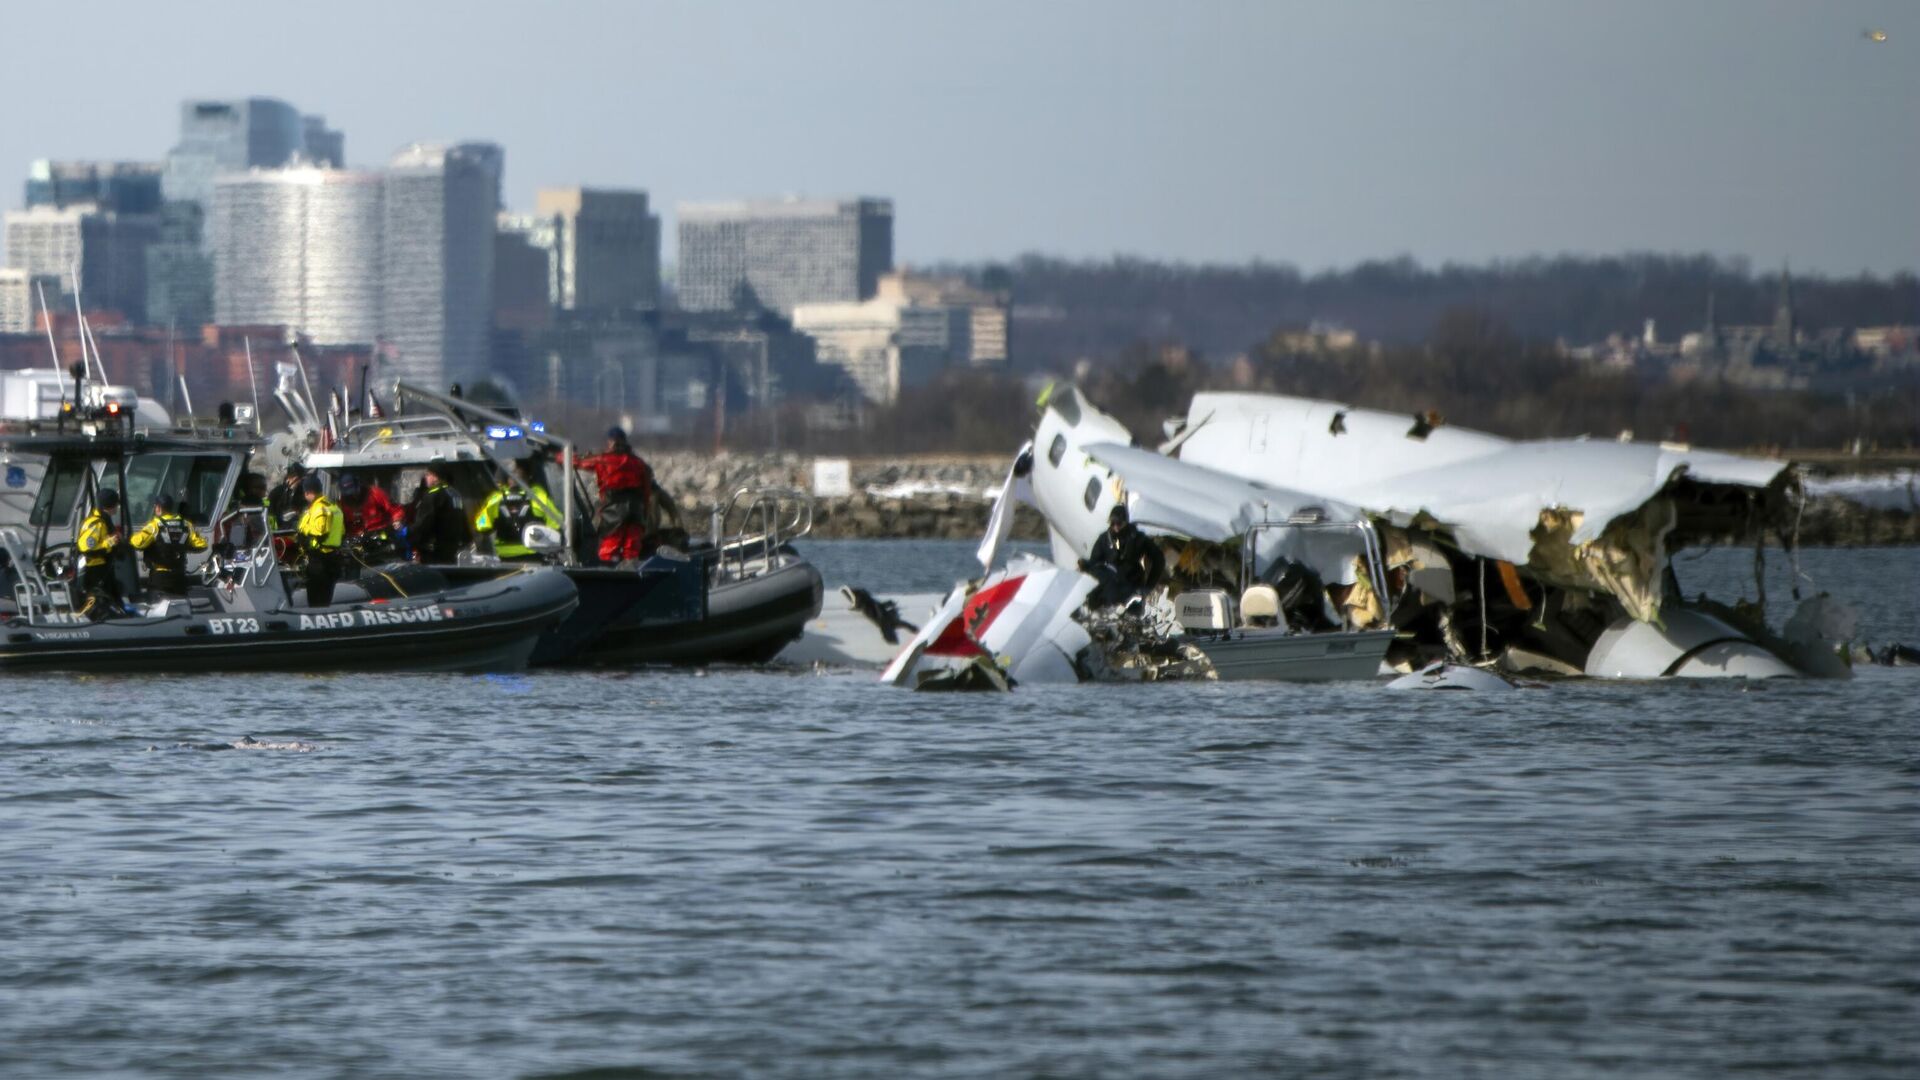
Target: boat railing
column 769, row 518
column 39, row 598
column 366, row 432
column 256, row 569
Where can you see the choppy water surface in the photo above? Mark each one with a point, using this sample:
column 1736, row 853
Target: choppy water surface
column 807, row 875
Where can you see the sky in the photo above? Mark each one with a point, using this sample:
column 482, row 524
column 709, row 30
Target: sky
column 1316, row 134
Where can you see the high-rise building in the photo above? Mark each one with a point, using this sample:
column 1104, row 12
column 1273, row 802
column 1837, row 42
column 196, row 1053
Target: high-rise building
column 180, row 269
column 323, row 145
column 299, row 247
column 230, row 136
column 124, row 187
column 216, row 138
column 439, row 213
column 107, row 250
column 779, row 254
column 604, row 248
column 521, row 268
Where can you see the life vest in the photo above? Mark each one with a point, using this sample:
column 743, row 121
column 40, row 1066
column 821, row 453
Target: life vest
column 323, row 527
column 168, row 548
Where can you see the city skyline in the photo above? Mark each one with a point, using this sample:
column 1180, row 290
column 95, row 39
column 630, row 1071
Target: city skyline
column 1770, row 131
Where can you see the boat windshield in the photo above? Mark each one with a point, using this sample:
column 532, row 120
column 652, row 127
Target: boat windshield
column 58, row 492
column 195, row 481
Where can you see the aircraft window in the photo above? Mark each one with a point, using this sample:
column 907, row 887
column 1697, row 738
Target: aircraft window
column 1093, row 492
column 1056, row 449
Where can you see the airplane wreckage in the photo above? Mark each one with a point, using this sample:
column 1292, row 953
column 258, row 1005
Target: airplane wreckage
column 1312, row 541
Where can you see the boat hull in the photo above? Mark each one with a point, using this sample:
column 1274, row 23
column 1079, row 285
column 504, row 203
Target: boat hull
column 745, row 621
column 1276, row 655
column 490, row 626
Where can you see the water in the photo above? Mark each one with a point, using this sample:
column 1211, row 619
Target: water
column 746, row 873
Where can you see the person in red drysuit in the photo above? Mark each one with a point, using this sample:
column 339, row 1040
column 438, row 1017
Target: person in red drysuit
column 626, row 483
column 370, row 517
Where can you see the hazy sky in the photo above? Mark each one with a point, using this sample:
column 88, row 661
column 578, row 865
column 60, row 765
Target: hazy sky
column 1317, row 134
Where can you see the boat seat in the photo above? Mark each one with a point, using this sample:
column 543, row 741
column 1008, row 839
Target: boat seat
column 1260, row 606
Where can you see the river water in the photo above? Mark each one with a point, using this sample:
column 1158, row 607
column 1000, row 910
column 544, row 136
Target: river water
column 801, row 874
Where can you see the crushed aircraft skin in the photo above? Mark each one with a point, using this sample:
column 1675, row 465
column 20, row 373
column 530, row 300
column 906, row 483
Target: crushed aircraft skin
column 1540, row 556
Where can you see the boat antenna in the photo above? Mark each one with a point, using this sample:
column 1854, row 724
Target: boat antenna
column 313, row 406
column 46, row 316
column 187, row 395
column 254, row 382
column 173, row 366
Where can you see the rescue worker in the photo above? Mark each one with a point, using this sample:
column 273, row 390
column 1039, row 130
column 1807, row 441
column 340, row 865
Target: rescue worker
column 515, row 505
column 436, row 526
column 166, row 540
column 625, row 483
column 95, row 542
column 1124, row 560
column 370, row 516
column 322, row 529
column 288, row 502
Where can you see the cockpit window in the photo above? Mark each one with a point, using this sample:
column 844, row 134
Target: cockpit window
column 1057, row 450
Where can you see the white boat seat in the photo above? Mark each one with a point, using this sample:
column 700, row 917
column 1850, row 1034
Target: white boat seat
column 1260, row 606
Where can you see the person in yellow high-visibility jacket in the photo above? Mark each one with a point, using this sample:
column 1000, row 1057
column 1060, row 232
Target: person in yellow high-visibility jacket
column 167, row 539
column 95, row 542
column 513, row 506
column 322, row 529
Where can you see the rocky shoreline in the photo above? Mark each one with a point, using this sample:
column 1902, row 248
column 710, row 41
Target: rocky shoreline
column 948, row 497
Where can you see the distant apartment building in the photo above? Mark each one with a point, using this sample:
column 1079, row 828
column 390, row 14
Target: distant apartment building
column 521, row 269
column 780, row 254
column 604, row 248
column 18, row 304
column 220, row 137
column 124, row 187
column 234, row 136
column 980, row 315
column 106, row 250
column 884, row 345
column 299, row 247
column 441, row 202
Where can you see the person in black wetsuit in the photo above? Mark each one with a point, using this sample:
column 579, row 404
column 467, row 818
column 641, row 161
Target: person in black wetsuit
column 1125, row 561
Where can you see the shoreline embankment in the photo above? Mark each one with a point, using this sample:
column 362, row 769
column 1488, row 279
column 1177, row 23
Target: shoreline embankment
column 950, row 496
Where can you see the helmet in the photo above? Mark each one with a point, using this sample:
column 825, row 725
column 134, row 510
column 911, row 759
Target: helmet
column 313, row 484
column 1118, row 515
column 108, row 499
column 350, row 486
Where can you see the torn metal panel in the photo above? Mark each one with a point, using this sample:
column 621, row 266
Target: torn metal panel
column 1575, row 511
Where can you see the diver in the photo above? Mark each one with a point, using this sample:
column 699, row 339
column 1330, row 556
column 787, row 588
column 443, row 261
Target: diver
column 370, row 518
column 436, row 526
column 1125, row 561
column 625, row 484
column 95, row 542
column 167, row 539
column 323, row 528
column 516, row 504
